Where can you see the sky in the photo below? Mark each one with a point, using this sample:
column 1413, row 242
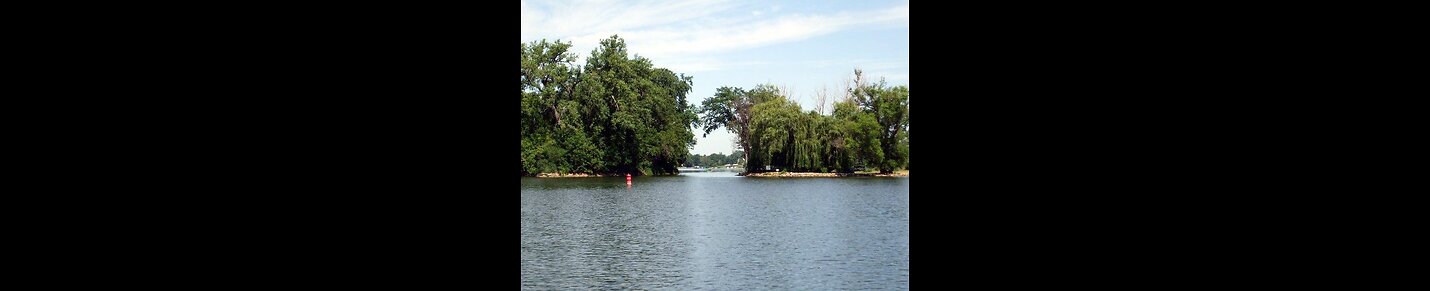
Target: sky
column 801, row 45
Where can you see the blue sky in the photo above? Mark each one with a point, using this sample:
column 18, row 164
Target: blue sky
column 802, row 45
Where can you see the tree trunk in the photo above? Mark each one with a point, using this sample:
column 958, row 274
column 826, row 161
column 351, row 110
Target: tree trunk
column 556, row 111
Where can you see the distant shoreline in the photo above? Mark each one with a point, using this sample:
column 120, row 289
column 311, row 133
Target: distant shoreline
column 901, row 173
column 576, row 175
column 904, row 173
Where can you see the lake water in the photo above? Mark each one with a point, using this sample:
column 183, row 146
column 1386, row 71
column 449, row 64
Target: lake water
column 715, row 231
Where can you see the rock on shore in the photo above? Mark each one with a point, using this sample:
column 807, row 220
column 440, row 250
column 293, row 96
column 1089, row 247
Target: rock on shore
column 812, row 174
column 574, row 175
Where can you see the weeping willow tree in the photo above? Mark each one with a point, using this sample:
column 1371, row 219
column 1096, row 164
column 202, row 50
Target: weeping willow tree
column 774, row 125
column 868, row 128
column 789, row 139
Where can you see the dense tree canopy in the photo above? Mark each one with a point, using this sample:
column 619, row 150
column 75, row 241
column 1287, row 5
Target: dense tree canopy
column 890, row 109
column 617, row 114
column 869, row 128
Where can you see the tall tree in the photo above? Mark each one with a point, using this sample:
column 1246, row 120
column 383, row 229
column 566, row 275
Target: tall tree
column 890, row 108
column 774, row 125
column 617, row 114
column 859, row 135
column 645, row 120
column 547, row 76
column 731, row 108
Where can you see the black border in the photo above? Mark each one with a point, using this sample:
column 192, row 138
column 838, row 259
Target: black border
column 352, row 143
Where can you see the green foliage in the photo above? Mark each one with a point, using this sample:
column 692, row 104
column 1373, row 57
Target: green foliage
column 861, row 135
column 714, row 160
column 869, row 129
column 774, row 126
column 617, row 114
column 890, row 109
column 733, row 108
column 620, row 114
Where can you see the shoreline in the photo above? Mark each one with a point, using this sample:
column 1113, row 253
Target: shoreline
column 901, row 173
column 904, row 173
column 586, row 175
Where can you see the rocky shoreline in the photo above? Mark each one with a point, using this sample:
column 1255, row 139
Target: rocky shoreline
column 581, row 175
column 575, row 175
column 822, row 175
column 764, row 174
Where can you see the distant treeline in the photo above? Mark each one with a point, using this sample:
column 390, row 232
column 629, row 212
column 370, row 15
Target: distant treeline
column 619, row 114
column 715, row 159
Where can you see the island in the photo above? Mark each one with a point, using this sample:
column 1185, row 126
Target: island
column 619, row 114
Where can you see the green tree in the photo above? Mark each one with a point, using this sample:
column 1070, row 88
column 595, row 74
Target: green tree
column 868, row 128
column 641, row 110
column 731, row 108
column 775, row 124
column 859, row 136
column 546, row 78
column 693, row 160
column 712, row 160
column 890, row 109
column 617, row 114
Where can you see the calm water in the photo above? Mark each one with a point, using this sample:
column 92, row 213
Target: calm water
column 715, row 231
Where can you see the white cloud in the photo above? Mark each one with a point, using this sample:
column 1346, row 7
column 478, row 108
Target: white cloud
column 756, row 33
column 684, row 31
column 566, row 19
column 691, row 65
